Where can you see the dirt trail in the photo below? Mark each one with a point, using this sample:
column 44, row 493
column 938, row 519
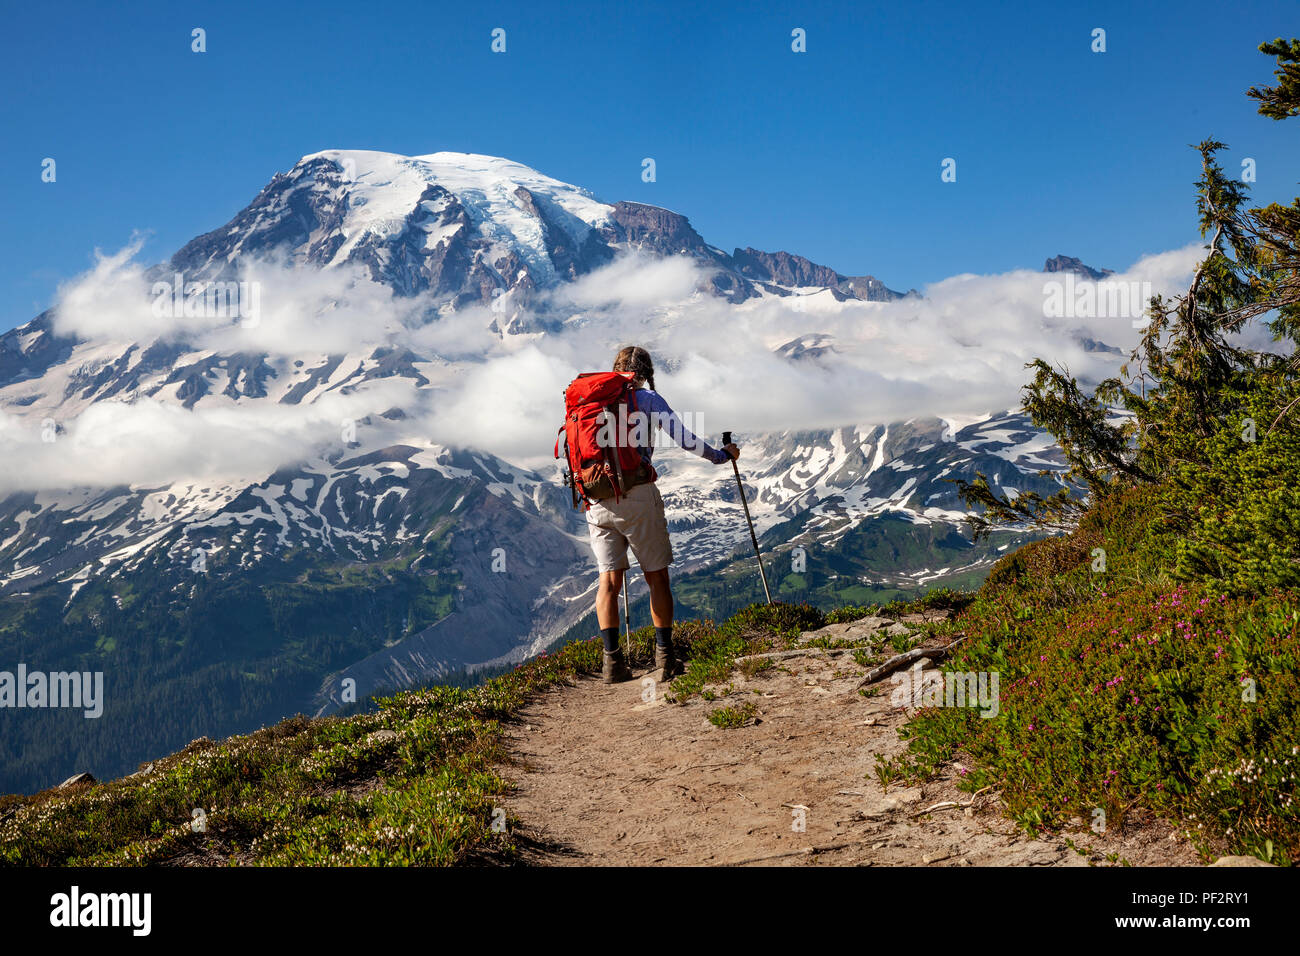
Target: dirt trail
column 605, row 778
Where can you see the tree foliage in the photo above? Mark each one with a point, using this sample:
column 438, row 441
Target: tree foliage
column 1195, row 412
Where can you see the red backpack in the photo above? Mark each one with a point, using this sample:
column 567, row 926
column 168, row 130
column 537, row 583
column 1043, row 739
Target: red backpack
column 601, row 462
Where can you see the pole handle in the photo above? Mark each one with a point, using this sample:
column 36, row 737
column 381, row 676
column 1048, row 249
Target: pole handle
column 726, row 438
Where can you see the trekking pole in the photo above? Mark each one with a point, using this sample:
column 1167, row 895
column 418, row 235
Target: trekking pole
column 627, row 621
column 726, row 440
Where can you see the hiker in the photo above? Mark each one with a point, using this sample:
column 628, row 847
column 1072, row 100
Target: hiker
column 636, row 520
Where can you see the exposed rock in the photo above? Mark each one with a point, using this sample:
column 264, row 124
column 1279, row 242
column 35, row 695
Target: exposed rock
column 1071, row 264
column 786, row 269
column 870, row 628
column 901, row 798
column 814, row 345
column 77, row 780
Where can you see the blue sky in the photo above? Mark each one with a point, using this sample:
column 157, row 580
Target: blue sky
column 834, row 153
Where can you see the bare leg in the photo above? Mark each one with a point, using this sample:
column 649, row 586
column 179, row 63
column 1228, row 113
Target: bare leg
column 611, row 582
column 661, row 597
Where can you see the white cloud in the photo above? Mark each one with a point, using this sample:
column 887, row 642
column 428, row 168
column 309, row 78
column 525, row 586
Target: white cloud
column 633, row 281
column 271, row 307
column 959, row 350
column 111, row 301
column 151, row 442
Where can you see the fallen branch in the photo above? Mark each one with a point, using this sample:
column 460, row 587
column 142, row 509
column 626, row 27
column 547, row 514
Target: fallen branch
column 952, row 804
column 777, row 655
column 944, row 805
column 899, row 660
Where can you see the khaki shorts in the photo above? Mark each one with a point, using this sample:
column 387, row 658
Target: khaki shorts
column 636, row 519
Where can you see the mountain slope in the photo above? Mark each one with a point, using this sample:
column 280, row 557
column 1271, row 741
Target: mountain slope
column 432, row 559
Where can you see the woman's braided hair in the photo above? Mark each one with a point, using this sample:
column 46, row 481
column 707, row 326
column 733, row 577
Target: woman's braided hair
column 634, row 359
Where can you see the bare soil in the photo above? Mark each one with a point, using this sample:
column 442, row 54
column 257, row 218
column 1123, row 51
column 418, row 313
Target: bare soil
column 605, row 776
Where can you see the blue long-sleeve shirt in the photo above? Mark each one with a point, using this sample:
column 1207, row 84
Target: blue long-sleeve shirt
column 661, row 415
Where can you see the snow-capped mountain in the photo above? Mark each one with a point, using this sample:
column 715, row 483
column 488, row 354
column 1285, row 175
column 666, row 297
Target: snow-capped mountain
column 471, row 228
column 384, row 558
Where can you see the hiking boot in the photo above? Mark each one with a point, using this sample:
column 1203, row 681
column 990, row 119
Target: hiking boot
column 667, row 666
column 616, row 670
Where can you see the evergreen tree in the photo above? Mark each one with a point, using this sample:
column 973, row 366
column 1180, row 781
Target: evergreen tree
column 1194, row 414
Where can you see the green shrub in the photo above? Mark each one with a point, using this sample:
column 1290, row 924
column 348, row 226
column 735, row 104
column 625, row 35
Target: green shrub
column 1136, row 699
column 731, row 717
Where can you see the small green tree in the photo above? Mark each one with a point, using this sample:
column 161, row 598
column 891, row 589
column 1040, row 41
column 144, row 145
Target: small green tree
column 1193, row 411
